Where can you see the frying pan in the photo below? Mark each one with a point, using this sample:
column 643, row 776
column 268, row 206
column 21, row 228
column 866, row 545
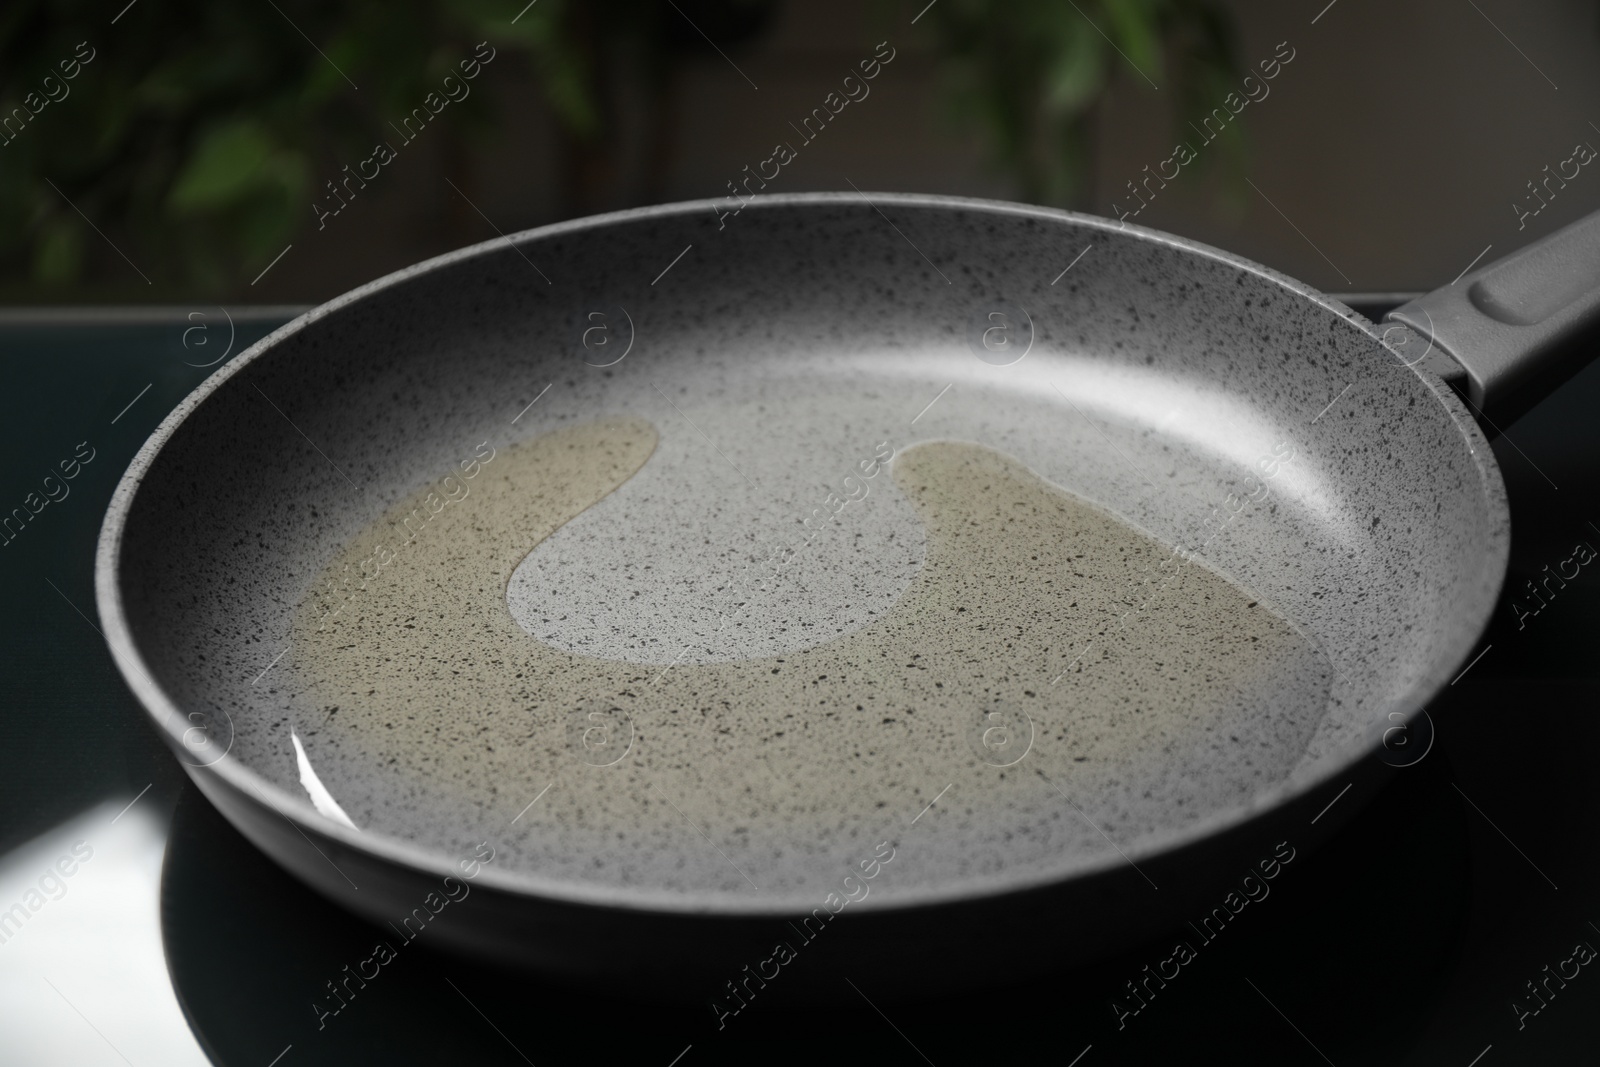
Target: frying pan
column 1237, row 534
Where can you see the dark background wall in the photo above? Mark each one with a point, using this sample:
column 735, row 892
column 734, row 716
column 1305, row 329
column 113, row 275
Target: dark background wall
column 1387, row 156
column 1396, row 141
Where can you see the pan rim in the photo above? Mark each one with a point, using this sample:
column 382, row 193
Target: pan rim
column 166, row 715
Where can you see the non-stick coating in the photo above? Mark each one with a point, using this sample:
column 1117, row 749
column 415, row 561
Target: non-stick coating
column 1159, row 374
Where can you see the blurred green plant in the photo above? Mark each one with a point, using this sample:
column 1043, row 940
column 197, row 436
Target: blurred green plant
column 199, row 129
column 1030, row 74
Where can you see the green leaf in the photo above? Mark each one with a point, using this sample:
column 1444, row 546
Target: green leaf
column 1078, row 74
column 223, row 167
column 58, row 255
column 1137, row 31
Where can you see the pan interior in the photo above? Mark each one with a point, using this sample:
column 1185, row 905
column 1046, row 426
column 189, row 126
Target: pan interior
column 719, row 618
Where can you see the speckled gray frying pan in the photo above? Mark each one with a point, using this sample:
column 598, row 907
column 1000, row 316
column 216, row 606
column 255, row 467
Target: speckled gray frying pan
column 639, row 597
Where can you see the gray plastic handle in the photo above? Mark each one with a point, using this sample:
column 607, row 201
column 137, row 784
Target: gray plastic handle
column 1520, row 326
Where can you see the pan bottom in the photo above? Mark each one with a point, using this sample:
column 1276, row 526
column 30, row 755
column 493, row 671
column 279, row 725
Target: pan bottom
column 1072, row 681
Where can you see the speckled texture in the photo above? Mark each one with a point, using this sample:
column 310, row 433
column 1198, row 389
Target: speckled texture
column 1157, row 692
column 1159, row 377
column 678, row 568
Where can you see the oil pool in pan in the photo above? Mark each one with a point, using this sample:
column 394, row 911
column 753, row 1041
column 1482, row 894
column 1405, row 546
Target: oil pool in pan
column 1191, row 695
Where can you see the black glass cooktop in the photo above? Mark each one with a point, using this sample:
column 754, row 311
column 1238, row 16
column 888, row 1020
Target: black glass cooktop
column 1454, row 920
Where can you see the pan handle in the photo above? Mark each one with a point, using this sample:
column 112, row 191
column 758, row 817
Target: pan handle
column 1519, row 326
